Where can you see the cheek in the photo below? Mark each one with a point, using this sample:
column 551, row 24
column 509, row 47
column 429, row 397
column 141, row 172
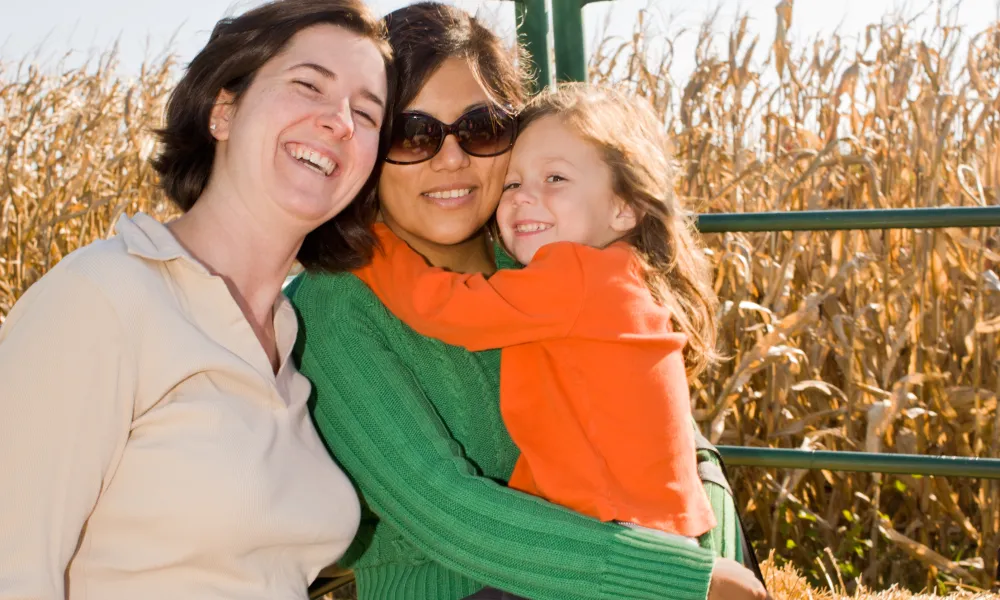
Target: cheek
column 392, row 187
column 504, row 212
column 567, row 206
column 260, row 121
column 491, row 174
column 493, row 170
column 368, row 149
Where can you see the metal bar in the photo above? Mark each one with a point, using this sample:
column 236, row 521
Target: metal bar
column 865, row 462
column 533, row 33
column 818, row 220
column 567, row 25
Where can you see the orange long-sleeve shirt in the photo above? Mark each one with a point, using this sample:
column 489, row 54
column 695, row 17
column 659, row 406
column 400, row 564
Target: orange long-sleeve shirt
column 593, row 388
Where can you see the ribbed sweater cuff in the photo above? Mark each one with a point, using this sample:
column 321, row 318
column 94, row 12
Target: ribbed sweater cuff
column 636, row 568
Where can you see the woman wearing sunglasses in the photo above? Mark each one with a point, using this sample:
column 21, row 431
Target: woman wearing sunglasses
column 416, row 423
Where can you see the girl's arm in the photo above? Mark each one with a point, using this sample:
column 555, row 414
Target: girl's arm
column 383, row 430
column 512, row 307
column 66, row 415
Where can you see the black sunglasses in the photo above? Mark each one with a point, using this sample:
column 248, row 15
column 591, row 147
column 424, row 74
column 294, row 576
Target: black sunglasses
column 484, row 131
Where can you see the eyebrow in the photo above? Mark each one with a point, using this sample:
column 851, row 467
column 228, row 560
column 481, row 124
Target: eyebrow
column 557, row 162
column 327, row 73
column 374, row 98
column 475, row 105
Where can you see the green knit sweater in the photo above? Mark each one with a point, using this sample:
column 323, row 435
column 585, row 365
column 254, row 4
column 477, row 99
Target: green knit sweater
column 416, row 424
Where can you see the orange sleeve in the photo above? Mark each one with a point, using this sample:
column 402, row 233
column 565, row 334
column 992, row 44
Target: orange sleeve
column 512, row 307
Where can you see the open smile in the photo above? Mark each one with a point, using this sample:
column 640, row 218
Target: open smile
column 320, row 161
column 452, row 197
column 531, row 227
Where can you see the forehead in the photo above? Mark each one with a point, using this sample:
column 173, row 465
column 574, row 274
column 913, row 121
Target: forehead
column 450, row 91
column 551, row 137
column 338, row 50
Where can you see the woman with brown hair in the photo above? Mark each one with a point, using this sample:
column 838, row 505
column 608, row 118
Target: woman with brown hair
column 415, row 422
column 166, row 451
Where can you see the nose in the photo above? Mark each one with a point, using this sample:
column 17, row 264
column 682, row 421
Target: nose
column 521, row 195
column 451, row 157
column 339, row 120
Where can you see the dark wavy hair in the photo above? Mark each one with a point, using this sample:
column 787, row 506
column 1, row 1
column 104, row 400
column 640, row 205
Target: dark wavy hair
column 235, row 52
column 425, row 34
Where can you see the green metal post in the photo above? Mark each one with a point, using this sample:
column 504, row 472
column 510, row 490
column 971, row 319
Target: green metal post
column 567, row 25
column 533, row 32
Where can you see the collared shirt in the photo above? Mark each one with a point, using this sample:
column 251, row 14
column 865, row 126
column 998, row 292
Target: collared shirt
column 147, row 448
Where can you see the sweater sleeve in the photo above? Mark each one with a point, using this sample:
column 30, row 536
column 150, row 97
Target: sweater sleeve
column 512, row 307
column 67, row 411
column 385, row 432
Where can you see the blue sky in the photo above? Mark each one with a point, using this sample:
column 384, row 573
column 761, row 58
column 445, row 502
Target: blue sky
column 52, row 28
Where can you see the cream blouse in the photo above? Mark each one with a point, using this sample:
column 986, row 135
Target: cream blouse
column 147, row 449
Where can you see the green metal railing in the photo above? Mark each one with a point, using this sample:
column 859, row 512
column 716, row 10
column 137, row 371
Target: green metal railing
column 863, row 462
column 825, row 220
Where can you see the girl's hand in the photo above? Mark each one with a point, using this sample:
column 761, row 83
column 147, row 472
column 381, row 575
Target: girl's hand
column 733, row 581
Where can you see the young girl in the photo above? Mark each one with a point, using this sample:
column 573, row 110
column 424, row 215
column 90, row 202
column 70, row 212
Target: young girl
column 596, row 330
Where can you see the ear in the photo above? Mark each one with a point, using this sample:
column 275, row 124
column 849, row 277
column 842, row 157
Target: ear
column 624, row 218
column 221, row 117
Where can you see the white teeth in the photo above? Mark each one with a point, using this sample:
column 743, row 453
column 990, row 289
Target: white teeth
column 312, row 158
column 531, row 227
column 449, row 194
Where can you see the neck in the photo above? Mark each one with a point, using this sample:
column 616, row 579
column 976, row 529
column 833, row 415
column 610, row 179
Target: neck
column 251, row 257
column 474, row 255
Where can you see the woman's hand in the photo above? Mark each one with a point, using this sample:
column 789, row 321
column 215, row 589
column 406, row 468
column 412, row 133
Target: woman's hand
column 733, row 581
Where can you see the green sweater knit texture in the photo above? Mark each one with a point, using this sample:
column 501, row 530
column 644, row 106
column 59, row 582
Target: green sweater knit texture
column 416, row 424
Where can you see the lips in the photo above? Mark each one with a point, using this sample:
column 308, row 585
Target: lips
column 451, row 197
column 449, row 194
column 321, row 161
column 530, row 227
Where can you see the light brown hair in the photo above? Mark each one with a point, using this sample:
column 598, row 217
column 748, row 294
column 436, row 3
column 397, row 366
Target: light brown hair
column 633, row 143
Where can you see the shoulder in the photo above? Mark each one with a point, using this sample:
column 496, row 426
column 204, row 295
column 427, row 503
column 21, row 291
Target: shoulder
column 615, row 276
column 347, row 338
column 337, row 308
column 617, row 255
column 101, row 272
column 316, row 295
column 76, row 298
column 616, row 264
column 103, row 261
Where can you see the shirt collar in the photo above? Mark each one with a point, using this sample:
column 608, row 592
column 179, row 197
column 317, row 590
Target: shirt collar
column 146, row 237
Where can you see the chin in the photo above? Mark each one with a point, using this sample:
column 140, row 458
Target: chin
column 313, row 212
column 525, row 256
column 447, row 233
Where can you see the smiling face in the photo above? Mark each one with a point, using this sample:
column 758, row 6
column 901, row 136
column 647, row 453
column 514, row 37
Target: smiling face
column 302, row 140
column 558, row 189
column 445, row 200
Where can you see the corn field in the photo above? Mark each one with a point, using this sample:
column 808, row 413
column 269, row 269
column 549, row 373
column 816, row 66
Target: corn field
column 873, row 341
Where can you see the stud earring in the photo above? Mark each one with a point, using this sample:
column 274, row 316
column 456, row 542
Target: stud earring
column 212, row 126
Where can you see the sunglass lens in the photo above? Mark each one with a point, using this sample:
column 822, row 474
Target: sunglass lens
column 486, row 133
column 415, row 138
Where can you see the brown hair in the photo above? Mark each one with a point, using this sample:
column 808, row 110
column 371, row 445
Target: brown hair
column 236, row 50
column 425, row 34
column 633, row 143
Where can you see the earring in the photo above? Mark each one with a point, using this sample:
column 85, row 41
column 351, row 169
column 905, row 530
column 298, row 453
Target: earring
column 212, row 126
